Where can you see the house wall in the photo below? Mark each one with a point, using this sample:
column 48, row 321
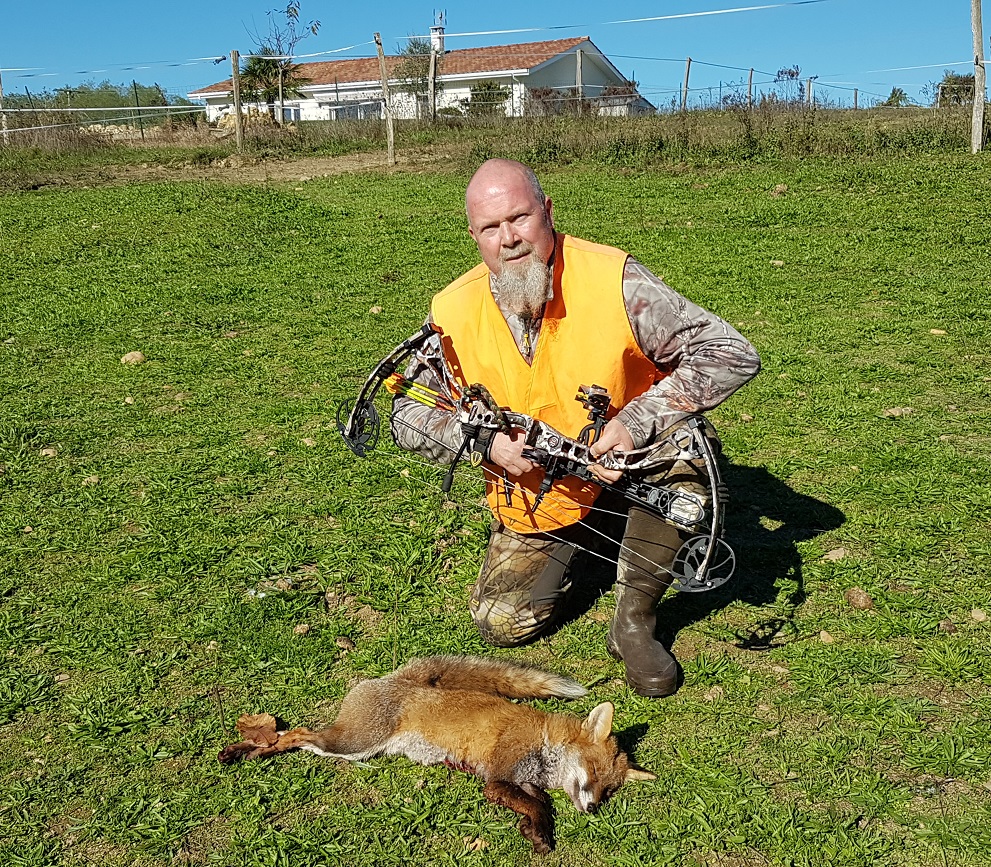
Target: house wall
column 365, row 100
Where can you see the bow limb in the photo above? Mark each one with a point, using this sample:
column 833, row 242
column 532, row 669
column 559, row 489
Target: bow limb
column 359, row 422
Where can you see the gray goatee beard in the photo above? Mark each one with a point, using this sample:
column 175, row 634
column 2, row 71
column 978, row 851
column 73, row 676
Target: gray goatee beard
column 523, row 289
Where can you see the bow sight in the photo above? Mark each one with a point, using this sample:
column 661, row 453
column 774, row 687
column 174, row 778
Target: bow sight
column 705, row 561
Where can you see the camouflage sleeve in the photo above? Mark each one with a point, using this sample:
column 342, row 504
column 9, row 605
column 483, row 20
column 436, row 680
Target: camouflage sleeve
column 431, row 433
column 704, row 358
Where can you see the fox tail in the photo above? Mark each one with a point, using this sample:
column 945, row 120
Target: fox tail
column 492, row 676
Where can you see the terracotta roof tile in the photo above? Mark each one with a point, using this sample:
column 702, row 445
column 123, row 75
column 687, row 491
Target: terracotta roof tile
column 463, row 61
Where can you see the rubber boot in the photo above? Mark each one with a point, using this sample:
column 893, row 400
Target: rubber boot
column 643, row 576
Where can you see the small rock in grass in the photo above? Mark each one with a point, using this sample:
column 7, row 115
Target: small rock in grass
column 777, row 263
column 476, row 845
column 89, row 481
column 857, row 598
column 746, row 418
column 28, row 529
column 61, row 678
column 979, row 615
column 779, row 669
column 780, row 189
column 712, row 694
column 835, row 554
column 947, row 626
column 345, row 643
column 129, row 400
column 230, row 335
column 376, row 309
column 825, row 637
column 49, row 452
column 301, row 629
column 212, row 646
column 309, row 442
column 10, row 341
column 896, row 412
column 937, row 331
column 133, row 358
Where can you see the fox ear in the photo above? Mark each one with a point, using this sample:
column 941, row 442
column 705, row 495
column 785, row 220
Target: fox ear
column 635, row 773
column 598, row 726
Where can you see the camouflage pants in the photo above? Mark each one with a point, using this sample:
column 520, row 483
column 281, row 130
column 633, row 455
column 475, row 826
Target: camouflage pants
column 525, row 578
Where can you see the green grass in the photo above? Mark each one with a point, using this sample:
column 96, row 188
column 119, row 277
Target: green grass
column 143, row 612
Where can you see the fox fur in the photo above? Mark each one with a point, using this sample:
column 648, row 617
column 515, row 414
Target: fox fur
column 453, row 710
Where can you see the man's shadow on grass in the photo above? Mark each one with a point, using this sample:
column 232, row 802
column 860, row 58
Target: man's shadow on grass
column 765, row 519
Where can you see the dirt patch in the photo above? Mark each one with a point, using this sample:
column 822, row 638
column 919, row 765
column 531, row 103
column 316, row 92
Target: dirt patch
column 248, row 169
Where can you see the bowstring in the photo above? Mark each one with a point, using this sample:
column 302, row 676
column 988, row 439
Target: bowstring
column 560, row 497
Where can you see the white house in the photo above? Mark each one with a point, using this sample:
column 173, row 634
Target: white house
column 534, row 77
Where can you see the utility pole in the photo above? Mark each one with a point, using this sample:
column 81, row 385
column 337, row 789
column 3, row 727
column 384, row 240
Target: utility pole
column 750, row 89
column 282, row 104
column 980, row 79
column 856, row 93
column 236, row 88
column 390, row 135
column 684, row 89
column 808, row 92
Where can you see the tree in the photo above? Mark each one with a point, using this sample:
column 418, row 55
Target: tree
column 790, row 85
column 269, row 75
column 955, row 89
column 413, row 72
column 896, row 99
column 486, row 99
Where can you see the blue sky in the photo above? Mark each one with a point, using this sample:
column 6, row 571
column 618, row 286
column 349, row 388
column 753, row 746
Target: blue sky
column 844, row 42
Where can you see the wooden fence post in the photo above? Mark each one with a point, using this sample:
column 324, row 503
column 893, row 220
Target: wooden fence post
column 137, row 105
column 432, row 85
column 390, row 135
column 980, row 80
column 579, row 84
column 236, row 88
column 3, row 116
column 684, row 88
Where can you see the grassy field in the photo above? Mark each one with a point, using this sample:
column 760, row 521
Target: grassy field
column 188, row 539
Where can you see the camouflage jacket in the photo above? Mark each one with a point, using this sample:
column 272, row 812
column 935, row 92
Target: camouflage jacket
column 704, row 358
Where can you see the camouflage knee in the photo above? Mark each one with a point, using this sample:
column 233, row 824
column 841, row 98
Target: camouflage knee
column 520, row 588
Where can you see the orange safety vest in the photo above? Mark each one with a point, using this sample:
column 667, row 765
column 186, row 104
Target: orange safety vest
column 585, row 339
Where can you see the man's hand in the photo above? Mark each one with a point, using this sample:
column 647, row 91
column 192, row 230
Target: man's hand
column 506, row 452
column 614, row 436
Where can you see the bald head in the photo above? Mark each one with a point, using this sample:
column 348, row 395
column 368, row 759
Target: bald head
column 509, row 216
column 493, row 173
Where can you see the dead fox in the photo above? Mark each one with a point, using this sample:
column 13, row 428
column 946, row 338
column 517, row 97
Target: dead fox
column 452, row 710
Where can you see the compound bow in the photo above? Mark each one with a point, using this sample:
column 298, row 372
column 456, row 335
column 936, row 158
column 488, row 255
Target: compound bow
column 705, row 561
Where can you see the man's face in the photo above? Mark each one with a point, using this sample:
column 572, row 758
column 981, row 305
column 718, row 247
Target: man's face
column 509, row 224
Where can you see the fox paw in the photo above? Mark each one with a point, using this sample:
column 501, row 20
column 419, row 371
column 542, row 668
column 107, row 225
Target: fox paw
column 539, row 833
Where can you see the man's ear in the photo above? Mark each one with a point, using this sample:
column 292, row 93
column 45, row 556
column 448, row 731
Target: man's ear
column 598, row 726
column 549, row 210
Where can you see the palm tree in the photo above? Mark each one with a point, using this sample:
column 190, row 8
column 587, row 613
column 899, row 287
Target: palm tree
column 269, row 77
